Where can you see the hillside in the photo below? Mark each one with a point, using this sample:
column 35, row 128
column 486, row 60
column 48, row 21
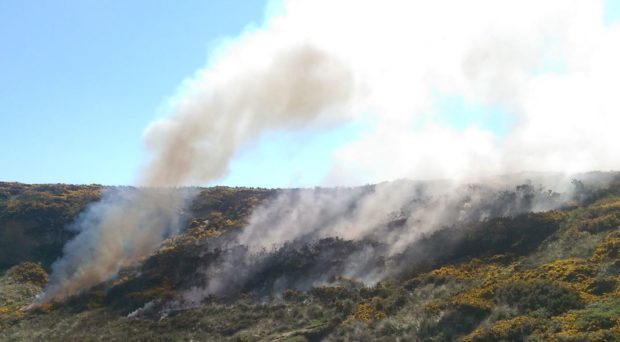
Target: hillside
column 503, row 275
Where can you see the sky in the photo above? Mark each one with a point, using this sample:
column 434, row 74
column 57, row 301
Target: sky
column 82, row 80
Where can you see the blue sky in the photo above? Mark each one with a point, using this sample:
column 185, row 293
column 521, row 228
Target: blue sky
column 612, row 10
column 80, row 80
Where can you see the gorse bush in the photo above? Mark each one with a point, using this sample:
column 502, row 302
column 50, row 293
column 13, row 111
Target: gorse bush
column 515, row 329
column 527, row 296
column 28, row 272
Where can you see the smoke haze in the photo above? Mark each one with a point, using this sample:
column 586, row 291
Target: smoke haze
column 115, row 232
column 377, row 223
column 551, row 68
column 290, row 88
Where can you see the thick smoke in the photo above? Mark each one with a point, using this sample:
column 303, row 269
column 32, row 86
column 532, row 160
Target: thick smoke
column 289, row 88
column 124, row 226
column 551, row 67
column 294, row 85
column 377, row 224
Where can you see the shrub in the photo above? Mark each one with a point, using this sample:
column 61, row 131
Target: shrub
column 367, row 312
column 331, row 294
column 28, row 272
column 515, row 329
column 455, row 319
column 293, row 295
column 601, row 286
column 534, row 295
column 603, row 223
column 609, row 249
column 599, row 316
column 597, row 322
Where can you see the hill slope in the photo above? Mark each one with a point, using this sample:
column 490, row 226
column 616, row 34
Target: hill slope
column 551, row 275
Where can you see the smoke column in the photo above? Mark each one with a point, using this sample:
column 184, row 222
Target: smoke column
column 125, row 225
column 315, row 63
column 388, row 217
column 290, row 88
column 295, row 85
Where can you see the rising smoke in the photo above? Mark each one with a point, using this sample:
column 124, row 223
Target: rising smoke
column 377, row 224
column 295, row 85
column 551, row 66
column 124, row 226
column 290, row 88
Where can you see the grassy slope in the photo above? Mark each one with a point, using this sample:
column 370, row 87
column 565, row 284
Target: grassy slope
column 547, row 276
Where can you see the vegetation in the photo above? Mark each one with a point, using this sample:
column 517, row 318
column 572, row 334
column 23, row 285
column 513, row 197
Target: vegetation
column 548, row 276
column 33, row 220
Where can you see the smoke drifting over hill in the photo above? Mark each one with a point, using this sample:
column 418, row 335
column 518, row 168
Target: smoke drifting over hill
column 550, row 66
column 125, row 225
column 292, row 85
column 379, row 226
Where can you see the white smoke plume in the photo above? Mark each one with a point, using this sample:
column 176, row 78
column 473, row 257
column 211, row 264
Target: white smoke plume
column 548, row 67
column 286, row 85
column 393, row 215
column 115, row 232
column 552, row 66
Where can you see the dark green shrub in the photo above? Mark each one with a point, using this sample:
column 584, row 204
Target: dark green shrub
column 598, row 316
column 531, row 296
column 603, row 223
